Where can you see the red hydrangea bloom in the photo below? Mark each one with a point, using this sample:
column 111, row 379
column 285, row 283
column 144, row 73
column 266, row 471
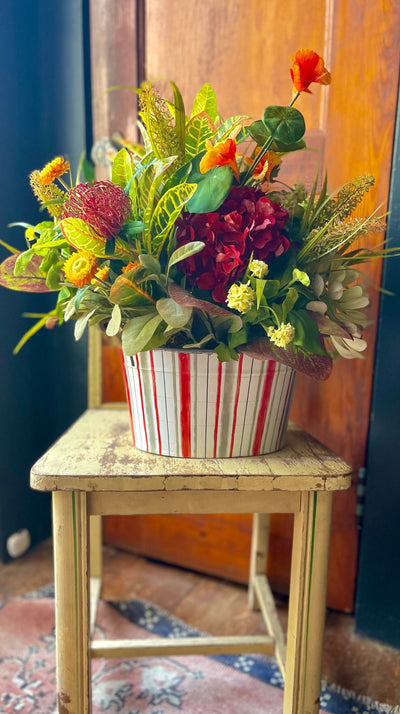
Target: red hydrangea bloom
column 103, row 205
column 247, row 222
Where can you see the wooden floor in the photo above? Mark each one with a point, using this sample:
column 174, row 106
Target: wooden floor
column 219, row 607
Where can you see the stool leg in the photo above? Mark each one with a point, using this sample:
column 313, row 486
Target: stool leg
column 96, row 566
column 71, row 570
column 307, row 604
column 259, row 554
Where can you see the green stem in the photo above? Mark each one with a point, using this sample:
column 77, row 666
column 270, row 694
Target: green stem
column 264, row 149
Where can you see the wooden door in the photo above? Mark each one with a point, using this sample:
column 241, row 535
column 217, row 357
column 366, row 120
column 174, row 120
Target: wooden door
column 242, row 48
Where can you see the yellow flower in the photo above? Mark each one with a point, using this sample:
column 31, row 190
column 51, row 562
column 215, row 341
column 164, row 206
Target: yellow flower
column 80, row 268
column 281, row 336
column 258, row 268
column 48, row 193
column 240, row 297
column 54, row 169
column 101, row 274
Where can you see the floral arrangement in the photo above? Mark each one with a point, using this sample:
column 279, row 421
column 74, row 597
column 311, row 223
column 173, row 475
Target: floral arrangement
column 195, row 243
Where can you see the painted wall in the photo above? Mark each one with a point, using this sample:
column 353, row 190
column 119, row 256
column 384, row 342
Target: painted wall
column 42, row 114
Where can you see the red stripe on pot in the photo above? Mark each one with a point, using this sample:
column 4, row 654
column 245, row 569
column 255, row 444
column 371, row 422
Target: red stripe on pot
column 184, row 384
column 262, row 414
column 217, row 406
column 128, row 396
column 238, row 383
column 142, row 403
column 155, row 396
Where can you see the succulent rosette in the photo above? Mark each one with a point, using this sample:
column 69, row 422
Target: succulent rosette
column 194, row 242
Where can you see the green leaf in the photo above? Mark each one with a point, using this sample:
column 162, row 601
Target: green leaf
column 306, row 332
column 150, row 263
column 138, row 331
column 260, row 285
column 159, row 169
column 285, row 124
column 134, row 228
column 51, row 258
column 80, row 235
column 228, row 126
column 198, row 130
column 53, row 277
column 271, row 288
column 122, row 170
column 125, row 291
column 180, row 118
column 205, row 101
column 211, row 191
column 32, row 331
column 80, row 325
column 22, row 261
column 31, row 281
column 289, row 302
column 168, row 209
column 115, row 322
column 185, row 251
column 175, row 315
column 238, row 338
column 223, row 352
column 299, row 276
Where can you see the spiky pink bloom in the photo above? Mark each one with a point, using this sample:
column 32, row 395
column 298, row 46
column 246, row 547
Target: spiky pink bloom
column 103, row 205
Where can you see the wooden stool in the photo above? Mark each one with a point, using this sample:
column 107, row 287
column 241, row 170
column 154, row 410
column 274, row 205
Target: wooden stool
column 94, row 470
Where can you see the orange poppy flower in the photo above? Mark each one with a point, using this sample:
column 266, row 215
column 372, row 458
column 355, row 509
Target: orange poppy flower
column 308, row 67
column 222, row 154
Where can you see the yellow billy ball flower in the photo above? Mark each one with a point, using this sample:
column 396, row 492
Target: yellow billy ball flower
column 258, row 268
column 281, row 336
column 80, row 268
column 240, row 297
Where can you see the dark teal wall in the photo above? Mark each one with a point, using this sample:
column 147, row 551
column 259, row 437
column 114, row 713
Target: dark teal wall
column 42, row 114
column 378, row 592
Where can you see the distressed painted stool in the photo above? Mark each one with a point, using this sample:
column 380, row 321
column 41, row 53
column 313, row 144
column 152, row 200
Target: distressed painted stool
column 94, row 470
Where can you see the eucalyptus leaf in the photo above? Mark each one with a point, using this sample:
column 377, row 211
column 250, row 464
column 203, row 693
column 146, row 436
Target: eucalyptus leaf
column 138, row 331
column 175, row 315
column 80, row 325
column 115, row 322
column 150, row 263
column 185, row 251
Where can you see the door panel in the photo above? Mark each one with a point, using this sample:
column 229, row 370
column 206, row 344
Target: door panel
column 242, row 48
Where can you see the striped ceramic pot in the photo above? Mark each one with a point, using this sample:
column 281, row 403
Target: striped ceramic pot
column 189, row 404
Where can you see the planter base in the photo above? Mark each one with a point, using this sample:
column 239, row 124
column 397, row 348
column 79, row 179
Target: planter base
column 191, row 405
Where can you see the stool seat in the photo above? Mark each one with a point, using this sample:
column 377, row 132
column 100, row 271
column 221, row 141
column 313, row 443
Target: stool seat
column 94, row 470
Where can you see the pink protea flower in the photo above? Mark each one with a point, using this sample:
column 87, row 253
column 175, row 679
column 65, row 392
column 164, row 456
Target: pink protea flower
column 103, row 205
column 247, row 223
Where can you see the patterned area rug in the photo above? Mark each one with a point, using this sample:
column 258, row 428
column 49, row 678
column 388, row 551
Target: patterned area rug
column 158, row 685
